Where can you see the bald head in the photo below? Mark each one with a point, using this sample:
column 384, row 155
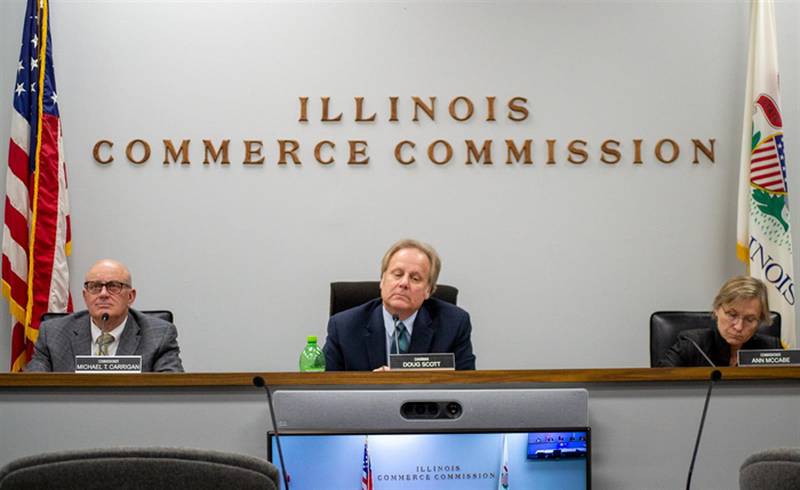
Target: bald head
column 112, row 266
column 108, row 292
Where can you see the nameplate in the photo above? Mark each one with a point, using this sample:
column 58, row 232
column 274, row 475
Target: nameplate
column 769, row 357
column 108, row 364
column 423, row 362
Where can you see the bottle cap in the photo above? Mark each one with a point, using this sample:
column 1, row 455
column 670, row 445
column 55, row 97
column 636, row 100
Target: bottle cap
column 312, row 339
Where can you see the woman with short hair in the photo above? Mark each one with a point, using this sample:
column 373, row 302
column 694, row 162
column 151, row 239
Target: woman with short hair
column 740, row 308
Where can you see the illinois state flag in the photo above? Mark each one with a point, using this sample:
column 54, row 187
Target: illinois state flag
column 36, row 226
column 764, row 239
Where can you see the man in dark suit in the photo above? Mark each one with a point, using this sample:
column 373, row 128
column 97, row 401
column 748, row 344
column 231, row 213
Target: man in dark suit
column 405, row 318
column 109, row 327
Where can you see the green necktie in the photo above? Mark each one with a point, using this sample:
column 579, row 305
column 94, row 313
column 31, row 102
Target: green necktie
column 103, row 341
column 402, row 337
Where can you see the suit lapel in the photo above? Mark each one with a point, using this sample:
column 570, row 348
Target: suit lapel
column 129, row 341
column 422, row 337
column 81, row 339
column 375, row 338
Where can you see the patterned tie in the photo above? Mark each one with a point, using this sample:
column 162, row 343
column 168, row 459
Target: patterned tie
column 403, row 339
column 103, row 341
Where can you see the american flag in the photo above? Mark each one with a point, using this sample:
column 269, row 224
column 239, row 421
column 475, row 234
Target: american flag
column 768, row 165
column 36, row 231
column 366, row 469
column 502, row 483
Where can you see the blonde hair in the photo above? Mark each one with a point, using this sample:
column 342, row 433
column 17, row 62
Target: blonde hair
column 429, row 251
column 744, row 287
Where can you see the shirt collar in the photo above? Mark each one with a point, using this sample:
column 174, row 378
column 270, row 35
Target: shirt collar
column 117, row 332
column 388, row 322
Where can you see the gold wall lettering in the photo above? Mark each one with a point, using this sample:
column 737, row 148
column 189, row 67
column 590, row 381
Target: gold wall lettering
column 611, row 151
column 421, row 110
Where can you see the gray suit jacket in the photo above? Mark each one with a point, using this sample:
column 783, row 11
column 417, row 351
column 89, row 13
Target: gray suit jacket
column 61, row 339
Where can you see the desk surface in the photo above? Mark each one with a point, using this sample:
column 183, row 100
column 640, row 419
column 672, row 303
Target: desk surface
column 644, row 421
column 621, row 375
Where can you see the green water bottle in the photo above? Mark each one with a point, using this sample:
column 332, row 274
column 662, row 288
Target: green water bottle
column 312, row 360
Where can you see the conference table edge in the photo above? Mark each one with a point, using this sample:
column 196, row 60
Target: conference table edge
column 493, row 377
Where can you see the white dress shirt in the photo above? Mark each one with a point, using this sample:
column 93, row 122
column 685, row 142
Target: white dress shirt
column 112, row 347
column 388, row 322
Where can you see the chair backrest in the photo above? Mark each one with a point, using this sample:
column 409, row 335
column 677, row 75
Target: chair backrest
column 157, row 468
column 162, row 314
column 346, row 295
column 666, row 325
column 776, row 469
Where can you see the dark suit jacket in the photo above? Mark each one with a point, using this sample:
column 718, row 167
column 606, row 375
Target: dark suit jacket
column 61, row 339
column 684, row 354
column 357, row 337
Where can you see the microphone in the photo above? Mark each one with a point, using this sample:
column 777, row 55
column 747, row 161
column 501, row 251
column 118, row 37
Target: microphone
column 259, row 382
column 396, row 319
column 716, row 375
column 702, row 352
column 104, row 321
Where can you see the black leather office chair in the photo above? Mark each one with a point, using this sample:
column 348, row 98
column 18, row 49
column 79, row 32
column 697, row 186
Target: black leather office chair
column 775, row 469
column 666, row 325
column 346, row 295
column 162, row 314
column 153, row 468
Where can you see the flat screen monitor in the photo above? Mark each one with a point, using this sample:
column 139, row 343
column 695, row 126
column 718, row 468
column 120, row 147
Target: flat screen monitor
column 464, row 460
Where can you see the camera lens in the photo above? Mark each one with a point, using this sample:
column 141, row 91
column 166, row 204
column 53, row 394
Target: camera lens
column 453, row 409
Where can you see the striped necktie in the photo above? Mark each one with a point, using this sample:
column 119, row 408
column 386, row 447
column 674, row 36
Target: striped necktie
column 402, row 337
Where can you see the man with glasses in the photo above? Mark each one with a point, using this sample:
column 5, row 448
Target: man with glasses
column 108, row 327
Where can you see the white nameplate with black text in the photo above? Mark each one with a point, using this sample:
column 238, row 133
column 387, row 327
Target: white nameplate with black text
column 423, row 362
column 769, row 357
column 108, row 364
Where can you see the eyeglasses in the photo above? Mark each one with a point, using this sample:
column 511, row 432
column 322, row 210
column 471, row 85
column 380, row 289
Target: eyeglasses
column 734, row 316
column 113, row 287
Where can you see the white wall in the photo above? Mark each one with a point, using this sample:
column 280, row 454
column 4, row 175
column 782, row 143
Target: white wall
column 560, row 266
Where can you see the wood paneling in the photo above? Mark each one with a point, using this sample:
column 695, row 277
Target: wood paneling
column 582, row 376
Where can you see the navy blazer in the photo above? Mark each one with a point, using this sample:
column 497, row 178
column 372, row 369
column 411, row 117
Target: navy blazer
column 357, row 337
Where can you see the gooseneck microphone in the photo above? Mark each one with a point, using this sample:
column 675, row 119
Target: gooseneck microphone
column 708, row 359
column 716, row 375
column 259, row 382
column 396, row 319
column 104, row 321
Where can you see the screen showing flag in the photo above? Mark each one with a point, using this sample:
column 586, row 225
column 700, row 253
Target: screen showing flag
column 463, row 461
